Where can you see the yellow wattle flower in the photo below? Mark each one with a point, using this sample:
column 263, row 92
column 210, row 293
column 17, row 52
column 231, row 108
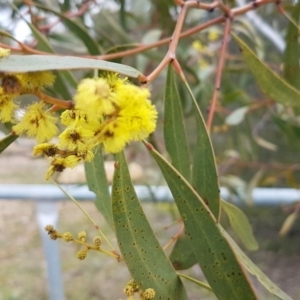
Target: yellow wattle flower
column 122, row 110
column 38, row 123
column 94, row 96
column 45, row 148
column 75, row 138
column 4, row 52
column 109, row 112
column 36, row 80
column 7, row 106
column 58, row 164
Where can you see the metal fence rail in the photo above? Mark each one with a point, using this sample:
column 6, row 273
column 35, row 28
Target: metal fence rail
column 47, row 196
column 48, row 192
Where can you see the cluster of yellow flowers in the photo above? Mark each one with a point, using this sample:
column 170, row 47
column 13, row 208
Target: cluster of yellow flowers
column 14, row 85
column 109, row 111
column 132, row 287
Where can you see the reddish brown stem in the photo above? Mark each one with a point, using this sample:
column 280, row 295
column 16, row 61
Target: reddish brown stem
column 226, row 10
column 142, row 48
column 218, row 75
column 84, row 7
column 174, row 237
column 67, row 104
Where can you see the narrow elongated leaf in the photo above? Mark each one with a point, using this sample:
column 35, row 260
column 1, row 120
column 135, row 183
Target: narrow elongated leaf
column 34, row 63
column 288, row 223
column 142, row 253
column 7, row 140
column 6, row 127
column 253, row 269
column 97, row 183
column 269, row 82
column 65, row 6
column 174, row 127
column 77, row 28
column 204, row 180
column 59, row 85
column 214, row 254
column 183, row 256
column 118, row 30
column 240, row 225
column 204, row 172
column 43, row 43
column 290, row 129
column 291, row 71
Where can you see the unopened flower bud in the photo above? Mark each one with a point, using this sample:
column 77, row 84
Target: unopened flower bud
column 67, row 236
column 82, row 236
column 128, row 290
column 97, row 241
column 82, row 254
column 149, row 294
column 133, row 284
column 49, row 228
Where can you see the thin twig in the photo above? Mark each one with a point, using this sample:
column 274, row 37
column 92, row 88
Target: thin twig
column 202, row 284
column 89, row 217
column 174, row 237
column 218, row 75
column 67, row 104
column 142, row 48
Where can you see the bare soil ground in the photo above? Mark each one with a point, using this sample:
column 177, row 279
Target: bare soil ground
column 23, row 267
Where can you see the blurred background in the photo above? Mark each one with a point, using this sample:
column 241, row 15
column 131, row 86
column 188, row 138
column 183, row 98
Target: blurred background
column 256, row 141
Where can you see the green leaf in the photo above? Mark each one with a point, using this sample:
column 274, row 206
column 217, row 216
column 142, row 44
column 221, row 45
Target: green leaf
column 119, row 48
column 269, row 82
column 290, row 129
column 182, row 256
column 110, row 18
column 174, row 127
column 123, row 20
column 59, row 85
column 7, row 140
column 291, row 71
column 6, row 127
column 67, row 42
column 253, row 269
column 204, row 172
column 97, row 183
column 141, row 251
column 214, row 254
column 65, row 6
column 43, row 43
column 240, row 225
column 34, row 63
column 77, row 28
